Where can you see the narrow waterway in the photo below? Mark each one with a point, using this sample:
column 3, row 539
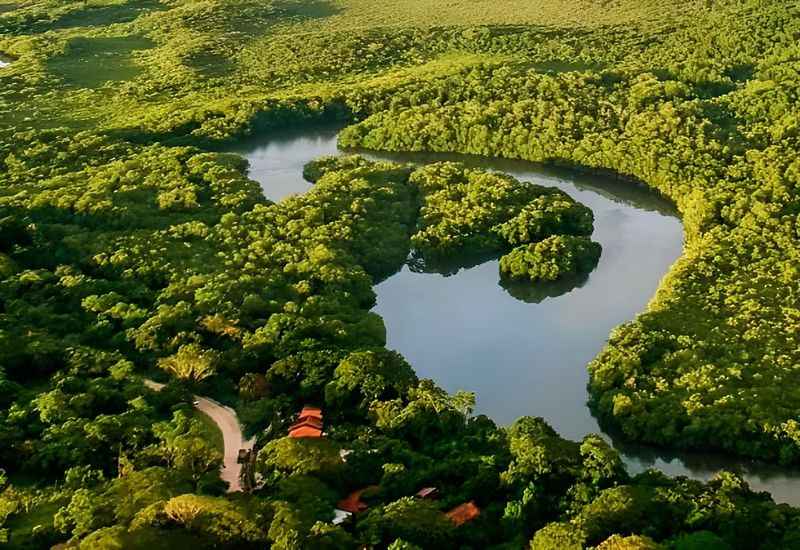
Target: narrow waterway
column 523, row 349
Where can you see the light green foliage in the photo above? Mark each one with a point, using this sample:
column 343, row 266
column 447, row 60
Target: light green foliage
column 182, row 446
column 622, row 509
column 426, row 410
column 537, row 452
column 555, row 536
column 553, row 258
column 602, row 465
column 125, row 243
column 633, row 542
column 468, row 215
column 470, row 212
column 462, row 207
column 288, row 456
column 215, row 518
column 548, row 214
column 190, row 363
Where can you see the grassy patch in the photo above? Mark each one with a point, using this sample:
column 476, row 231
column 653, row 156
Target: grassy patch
column 100, row 15
column 93, row 62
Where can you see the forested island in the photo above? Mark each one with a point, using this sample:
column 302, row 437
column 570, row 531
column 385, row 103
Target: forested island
column 149, row 288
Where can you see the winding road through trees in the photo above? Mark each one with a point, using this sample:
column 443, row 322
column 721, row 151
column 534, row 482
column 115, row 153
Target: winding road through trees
column 225, row 418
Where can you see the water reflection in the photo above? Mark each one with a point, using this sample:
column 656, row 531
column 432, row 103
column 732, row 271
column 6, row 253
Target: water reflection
column 277, row 163
column 781, row 482
column 529, row 293
column 446, row 265
column 524, row 348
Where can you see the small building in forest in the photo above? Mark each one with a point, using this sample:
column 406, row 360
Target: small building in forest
column 340, row 516
column 353, row 502
column 428, row 492
column 309, row 423
column 464, row 513
column 310, row 412
column 306, row 428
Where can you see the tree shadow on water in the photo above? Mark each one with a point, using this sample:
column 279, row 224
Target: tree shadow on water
column 524, row 291
column 447, row 265
column 536, row 293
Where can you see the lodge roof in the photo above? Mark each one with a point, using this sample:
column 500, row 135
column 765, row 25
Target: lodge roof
column 309, row 423
column 311, row 412
column 464, row 513
column 353, row 502
column 304, row 429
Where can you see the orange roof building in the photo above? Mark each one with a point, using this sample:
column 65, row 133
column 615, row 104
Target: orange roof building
column 309, row 423
column 353, row 503
column 464, row 513
column 310, row 412
column 298, row 432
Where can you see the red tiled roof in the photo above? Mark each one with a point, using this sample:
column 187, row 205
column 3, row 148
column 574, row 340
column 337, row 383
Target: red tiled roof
column 311, row 412
column 464, row 513
column 353, row 502
column 309, row 423
column 312, row 422
column 305, row 431
column 307, row 428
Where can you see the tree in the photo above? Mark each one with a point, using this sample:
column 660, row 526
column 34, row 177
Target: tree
column 553, row 258
column 558, row 536
column 191, row 363
column 253, row 386
column 183, row 446
column 305, row 456
column 414, row 520
column 701, row 540
column 633, row 542
column 365, row 376
column 215, row 518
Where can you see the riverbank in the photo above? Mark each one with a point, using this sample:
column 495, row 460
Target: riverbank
column 543, row 344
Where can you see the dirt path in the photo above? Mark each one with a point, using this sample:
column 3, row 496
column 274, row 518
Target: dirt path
column 225, row 418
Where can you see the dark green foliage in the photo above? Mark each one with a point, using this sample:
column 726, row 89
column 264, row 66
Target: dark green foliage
column 121, row 250
column 702, row 540
column 367, row 376
column 414, row 520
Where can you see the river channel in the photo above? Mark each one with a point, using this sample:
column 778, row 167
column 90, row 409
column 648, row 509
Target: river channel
column 522, row 349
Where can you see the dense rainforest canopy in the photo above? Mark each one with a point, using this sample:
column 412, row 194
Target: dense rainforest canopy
column 131, row 248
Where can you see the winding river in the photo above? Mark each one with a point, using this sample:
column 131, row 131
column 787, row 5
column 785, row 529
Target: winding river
column 523, row 350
